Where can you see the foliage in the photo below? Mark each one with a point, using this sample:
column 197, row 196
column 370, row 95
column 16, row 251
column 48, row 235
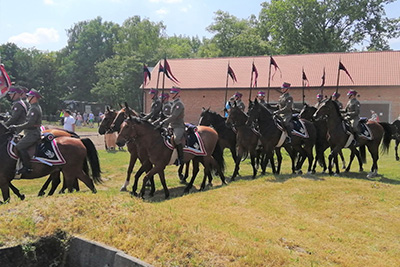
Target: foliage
column 310, row 26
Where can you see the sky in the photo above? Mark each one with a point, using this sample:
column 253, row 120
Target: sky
column 42, row 24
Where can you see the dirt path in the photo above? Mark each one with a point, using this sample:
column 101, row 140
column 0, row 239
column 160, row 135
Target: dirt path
column 96, row 138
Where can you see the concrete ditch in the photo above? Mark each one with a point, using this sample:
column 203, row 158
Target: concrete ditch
column 66, row 252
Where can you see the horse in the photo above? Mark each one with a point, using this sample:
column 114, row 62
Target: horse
column 396, row 136
column 149, row 138
column 226, row 135
column 322, row 143
column 74, row 153
column 338, row 137
column 246, row 138
column 272, row 137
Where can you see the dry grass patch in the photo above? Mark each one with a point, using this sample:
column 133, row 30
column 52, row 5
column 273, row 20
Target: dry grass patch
column 270, row 221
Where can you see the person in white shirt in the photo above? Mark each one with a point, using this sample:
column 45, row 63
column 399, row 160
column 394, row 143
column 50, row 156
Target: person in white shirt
column 69, row 121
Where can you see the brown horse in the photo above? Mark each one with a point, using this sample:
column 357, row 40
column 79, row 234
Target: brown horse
column 338, row 137
column 147, row 137
column 322, row 142
column 246, row 138
column 75, row 155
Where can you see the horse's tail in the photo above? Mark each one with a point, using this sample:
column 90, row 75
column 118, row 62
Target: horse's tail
column 93, row 158
column 387, row 137
column 363, row 154
column 218, row 155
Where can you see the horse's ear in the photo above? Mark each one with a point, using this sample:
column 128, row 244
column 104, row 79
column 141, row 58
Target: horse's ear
column 255, row 101
column 126, row 105
column 234, row 103
column 203, row 109
column 120, row 105
column 208, row 109
column 108, row 108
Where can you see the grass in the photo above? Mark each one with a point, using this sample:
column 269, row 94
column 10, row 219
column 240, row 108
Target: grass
column 286, row 220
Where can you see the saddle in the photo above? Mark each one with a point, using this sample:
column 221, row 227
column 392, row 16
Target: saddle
column 44, row 151
column 298, row 129
column 364, row 130
column 193, row 143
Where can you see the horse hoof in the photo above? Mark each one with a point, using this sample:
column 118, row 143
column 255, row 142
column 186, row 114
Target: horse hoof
column 299, row 172
column 397, row 158
column 336, row 175
column 134, row 194
column 22, row 197
column 361, row 169
column 123, row 189
column 183, row 181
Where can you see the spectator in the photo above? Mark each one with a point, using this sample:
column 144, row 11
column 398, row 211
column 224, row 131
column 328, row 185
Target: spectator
column 79, row 119
column 374, row 116
column 85, row 118
column 69, row 121
column 91, row 119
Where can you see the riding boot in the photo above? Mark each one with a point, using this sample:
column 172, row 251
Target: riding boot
column 289, row 134
column 356, row 138
column 26, row 162
column 179, row 149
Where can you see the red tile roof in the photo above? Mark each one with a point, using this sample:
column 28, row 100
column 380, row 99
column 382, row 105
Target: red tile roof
column 366, row 69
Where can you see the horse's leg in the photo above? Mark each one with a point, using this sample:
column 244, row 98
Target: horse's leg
column 355, row 152
column 16, row 191
column 55, row 181
column 194, row 174
column 279, row 159
column 234, row 155
column 253, row 155
column 152, row 172
column 373, row 150
column 395, row 149
column 145, row 167
column 309, row 150
column 42, row 190
column 343, row 159
column 132, row 162
column 81, row 175
column 187, row 165
column 331, row 160
column 5, row 190
column 164, row 184
column 237, row 163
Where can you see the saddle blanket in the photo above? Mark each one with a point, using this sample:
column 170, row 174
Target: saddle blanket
column 47, row 152
column 365, row 131
column 194, row 144
column 299, row 129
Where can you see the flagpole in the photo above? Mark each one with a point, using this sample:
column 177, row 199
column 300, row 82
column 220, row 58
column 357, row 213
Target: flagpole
column 226, row 86
column 251, row 80
column 302, row 81
column 164, row 70
column 143, row 86
column 338, row 77
column 269, row 79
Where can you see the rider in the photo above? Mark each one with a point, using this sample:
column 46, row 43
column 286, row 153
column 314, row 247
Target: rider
column 155, row 106
column 239, row 102
column 261, row 97
column 166, row 104
column 285, row 105
column 18, row 109
column 320, row 97
column 176, row 122
column 24, row 98
column 31, row 129
column 352, row 112
column 335, row 97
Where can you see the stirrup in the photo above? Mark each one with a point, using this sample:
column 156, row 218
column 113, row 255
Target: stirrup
column 24, row 170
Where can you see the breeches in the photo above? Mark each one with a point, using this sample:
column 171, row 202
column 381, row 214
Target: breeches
column 27, row 141
column 178, row 135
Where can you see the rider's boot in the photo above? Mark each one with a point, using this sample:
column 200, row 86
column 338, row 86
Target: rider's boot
column 179, row 149
column 26, row 162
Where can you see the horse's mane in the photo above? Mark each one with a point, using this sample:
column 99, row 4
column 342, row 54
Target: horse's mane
column 337, row 109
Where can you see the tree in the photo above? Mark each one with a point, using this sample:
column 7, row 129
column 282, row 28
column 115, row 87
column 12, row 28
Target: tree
column 311, row 26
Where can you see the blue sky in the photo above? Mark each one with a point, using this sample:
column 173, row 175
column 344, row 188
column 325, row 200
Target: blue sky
column 43, row 23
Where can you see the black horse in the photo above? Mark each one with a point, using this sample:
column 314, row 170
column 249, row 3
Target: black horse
column 396, row 136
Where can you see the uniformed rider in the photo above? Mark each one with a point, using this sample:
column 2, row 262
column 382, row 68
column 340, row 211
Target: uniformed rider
column 335, row 98
column 320, row 98
column 18, row 109
column 155, row 106
column 31, row 129
column 239, row 102
column 285, row 109
column 176, row 122
column 261, row 97
column 352, row 112
column 166, row 104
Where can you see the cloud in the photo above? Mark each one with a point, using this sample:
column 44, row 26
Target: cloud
column 40, row 36
column 162, row 11
column 48, row 2
column 186, row 9
column 166, row 1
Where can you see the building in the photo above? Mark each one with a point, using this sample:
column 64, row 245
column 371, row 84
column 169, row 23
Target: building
column 204, row 81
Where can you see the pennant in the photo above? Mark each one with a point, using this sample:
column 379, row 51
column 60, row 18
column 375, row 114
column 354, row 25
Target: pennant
column 5, row 81
column 168, row 70
column 162, row 69
column 323, row 78
column 304, row 77
column 231, row 73
column 273, row 63
column 146, row 74
column 342, row 67
column 255, row 73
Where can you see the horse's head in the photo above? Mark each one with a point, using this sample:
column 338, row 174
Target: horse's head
column 236, row 116
column 127, row 132
column 253, row 112
column 325, row 110
column 307, row 112
column 105, row 125
column 205, row 119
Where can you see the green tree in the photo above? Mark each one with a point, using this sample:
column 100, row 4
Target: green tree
column 310, row 26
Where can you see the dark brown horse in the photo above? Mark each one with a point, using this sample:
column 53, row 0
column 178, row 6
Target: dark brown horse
column 272, row 137
column 75, row 155
column 246, row 139
column 150, row 139
column 338, row 137
column 396, row 136
column 226, row 135
column 322, row 142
